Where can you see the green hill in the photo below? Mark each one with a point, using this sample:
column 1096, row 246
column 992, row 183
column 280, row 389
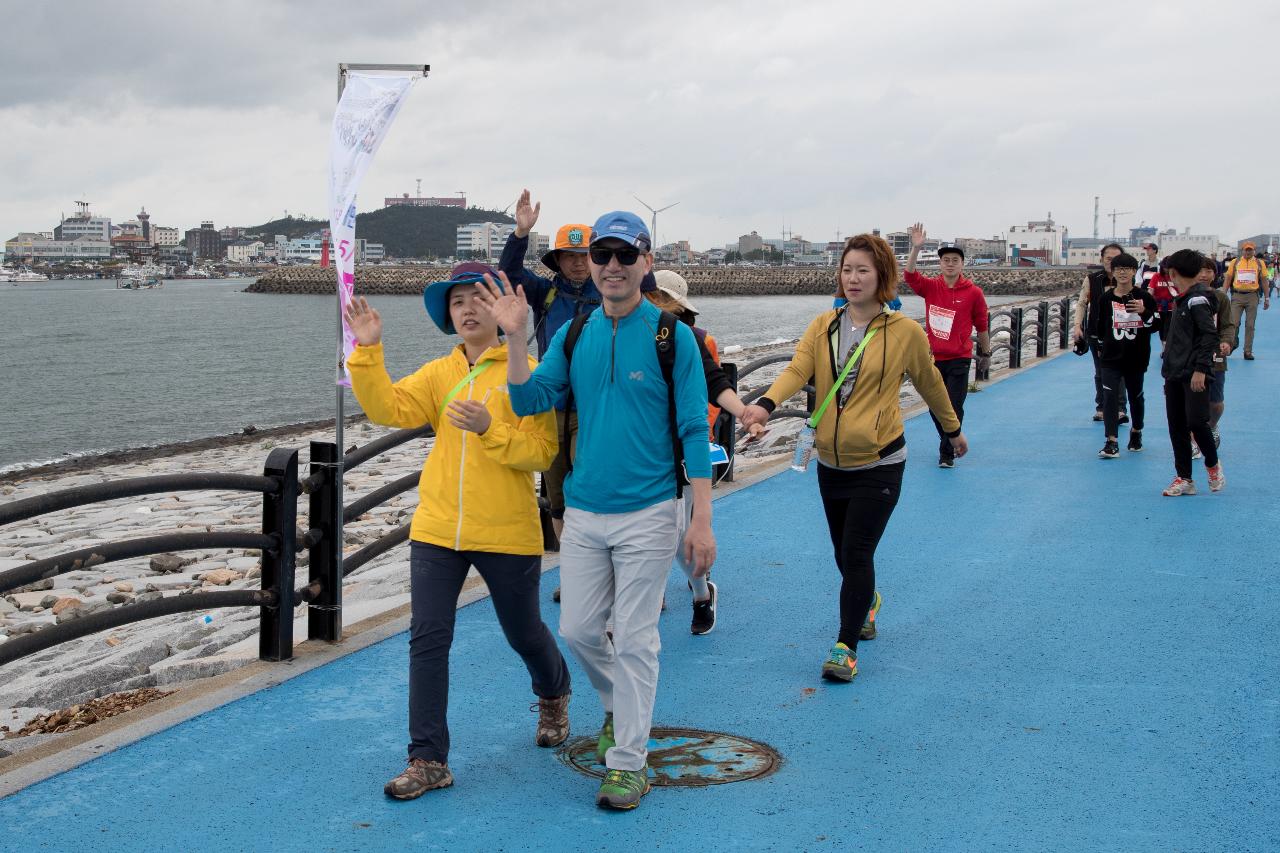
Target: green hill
column 407, row 232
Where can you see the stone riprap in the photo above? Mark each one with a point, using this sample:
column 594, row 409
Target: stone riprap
column 386, row 280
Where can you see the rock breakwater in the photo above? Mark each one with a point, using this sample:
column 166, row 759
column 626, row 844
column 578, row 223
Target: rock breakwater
column 386, row 280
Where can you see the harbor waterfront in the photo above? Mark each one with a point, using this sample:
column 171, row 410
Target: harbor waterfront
column 92, row 368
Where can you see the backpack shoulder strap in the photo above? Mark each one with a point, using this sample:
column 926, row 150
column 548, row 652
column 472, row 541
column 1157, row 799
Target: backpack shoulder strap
column 552, row 291
column 665, row 341
column 570, row 341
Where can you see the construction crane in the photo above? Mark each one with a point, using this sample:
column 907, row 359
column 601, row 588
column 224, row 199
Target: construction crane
column 1115, row 214
column 653, row 228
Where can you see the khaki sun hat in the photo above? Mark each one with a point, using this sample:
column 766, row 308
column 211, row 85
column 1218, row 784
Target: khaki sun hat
column 673, row 284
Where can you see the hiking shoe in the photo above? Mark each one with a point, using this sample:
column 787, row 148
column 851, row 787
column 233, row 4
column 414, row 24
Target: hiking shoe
column 553, row 720
column 1110, row 450
column 418, row 778
column 1195, row 450
column 622, row 789
column 842, row 665
column 1179, row 487
column 869, row 627
column 1217, row 436
column 1097, row 416
column 1248, row 356
column 555, row 595
column 1135, row 440
column 704, row 613
column 946, row 462
column 1217, row 479
column 1124, row 417
column 606, row 742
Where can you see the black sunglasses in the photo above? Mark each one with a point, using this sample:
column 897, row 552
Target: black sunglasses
column 626, row 256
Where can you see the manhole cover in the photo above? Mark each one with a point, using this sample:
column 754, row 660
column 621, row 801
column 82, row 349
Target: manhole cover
column 686, row 757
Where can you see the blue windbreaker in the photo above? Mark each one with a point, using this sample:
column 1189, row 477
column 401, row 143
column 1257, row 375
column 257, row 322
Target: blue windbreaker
column 623, row 461
column 570, row 300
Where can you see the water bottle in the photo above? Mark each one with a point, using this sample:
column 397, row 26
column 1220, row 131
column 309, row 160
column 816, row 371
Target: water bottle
column 206, row 619
column 804, row 450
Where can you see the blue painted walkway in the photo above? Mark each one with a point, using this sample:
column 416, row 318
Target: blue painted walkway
column 1067, row 661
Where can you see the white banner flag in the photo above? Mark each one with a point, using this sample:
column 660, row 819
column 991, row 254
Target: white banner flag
column 368, row 106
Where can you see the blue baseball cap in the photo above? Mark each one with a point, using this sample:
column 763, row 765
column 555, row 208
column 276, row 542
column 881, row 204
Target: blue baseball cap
column 436, row 296
column 625, row 226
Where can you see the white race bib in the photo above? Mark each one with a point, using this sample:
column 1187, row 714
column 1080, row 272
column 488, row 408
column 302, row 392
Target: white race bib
column 941, row 320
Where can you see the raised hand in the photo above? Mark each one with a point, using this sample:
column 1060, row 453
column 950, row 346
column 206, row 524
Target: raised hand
column 917, row 235
column 526, row 214
column 364, row 322
column 505, row 304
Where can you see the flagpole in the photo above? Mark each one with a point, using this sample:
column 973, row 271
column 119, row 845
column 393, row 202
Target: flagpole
column 343, row 68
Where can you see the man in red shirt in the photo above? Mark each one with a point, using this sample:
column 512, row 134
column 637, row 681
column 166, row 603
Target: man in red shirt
column 954, row 307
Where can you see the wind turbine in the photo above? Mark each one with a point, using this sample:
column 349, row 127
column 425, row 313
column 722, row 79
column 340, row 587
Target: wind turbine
column 653, row 228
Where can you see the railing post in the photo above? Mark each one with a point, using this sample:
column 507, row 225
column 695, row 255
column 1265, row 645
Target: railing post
column 728, row 427
column 1015, row 338
column 324, row 615
column 1042, row 330
column 1063, row 322
column 280, row 520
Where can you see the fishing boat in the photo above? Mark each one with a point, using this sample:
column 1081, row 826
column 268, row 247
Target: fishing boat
column 25, row 275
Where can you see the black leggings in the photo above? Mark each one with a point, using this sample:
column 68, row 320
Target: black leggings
column 1115, row 384
column 1188, row 414
column 858, row 505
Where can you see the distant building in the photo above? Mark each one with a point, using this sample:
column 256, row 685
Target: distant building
column 539, row 245
column 482, row 239
column 750, row 243
column 406, row 200
column 302, row 249
column 204, row 242
column 30, row 247
column 164, row 237
column 1264, row 242
column 131, row 244
column 978, row 247
column 1171, row 241
column 232, row 233
column 1141, row 234
column 244, row 251
column 900, row 242
column 83, row 224
column 1042, row 239
column 369, row 253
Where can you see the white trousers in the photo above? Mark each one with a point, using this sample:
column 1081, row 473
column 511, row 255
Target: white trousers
column 617, row 564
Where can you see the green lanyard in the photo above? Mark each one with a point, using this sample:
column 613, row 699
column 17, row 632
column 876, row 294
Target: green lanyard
column 476, row 371
column 848, row 365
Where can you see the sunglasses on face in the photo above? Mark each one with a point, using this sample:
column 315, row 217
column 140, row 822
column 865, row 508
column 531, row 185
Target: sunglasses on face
column 626, row 256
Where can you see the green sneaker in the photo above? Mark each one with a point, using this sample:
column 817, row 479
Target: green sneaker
column 606, row 742
column 622, row 789
column 842, row 665
column 869, row 627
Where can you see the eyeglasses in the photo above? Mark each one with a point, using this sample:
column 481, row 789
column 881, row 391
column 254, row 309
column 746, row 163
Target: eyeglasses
column 626, row 256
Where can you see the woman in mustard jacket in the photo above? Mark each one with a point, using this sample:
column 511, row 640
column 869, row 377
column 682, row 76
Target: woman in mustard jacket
column 859, row 437
column 476, row 507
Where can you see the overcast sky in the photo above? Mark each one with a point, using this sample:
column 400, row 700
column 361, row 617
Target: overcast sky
column 817, row 116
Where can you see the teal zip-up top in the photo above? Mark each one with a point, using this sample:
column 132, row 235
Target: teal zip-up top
column 623, row 461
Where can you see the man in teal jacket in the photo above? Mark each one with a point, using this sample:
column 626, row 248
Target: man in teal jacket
column 622, row 517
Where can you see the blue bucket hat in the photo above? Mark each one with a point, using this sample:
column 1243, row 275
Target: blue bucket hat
column 436, row 296
column 625, row 226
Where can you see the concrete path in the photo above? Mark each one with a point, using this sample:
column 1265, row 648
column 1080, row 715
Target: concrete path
column 1066, row 661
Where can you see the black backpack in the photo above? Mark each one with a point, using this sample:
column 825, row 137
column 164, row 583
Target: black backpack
column 665, row 342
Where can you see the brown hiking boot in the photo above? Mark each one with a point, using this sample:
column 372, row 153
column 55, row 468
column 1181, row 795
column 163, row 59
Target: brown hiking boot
column 418, row 778
column 553, row 720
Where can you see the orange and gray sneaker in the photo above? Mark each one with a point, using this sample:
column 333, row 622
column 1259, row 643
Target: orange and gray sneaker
column 841, row 665
column 418, row 778
column 1217, row 479
column 1179, row 487
column 869, row 627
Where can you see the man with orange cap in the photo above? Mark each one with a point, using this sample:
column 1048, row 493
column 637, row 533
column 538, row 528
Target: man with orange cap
column 555, row 301
column 1246, row 281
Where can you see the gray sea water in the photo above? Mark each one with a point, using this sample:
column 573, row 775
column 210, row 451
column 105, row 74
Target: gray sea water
column 89, row 368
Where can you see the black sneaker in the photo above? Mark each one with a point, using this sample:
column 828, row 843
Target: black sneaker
column 1135, row 440
column 1097, row 416
column 1110, row 450
column 946, row 462
column 704, row 613
column 555, row 595
column 1124, row 417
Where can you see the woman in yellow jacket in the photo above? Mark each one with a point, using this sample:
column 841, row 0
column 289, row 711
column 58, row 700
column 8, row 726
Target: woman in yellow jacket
column 859, row 437
column 476, row 506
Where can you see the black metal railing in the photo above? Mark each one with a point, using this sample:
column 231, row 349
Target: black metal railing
column 278, row 486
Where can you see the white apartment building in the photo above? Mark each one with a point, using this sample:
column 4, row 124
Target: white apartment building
column 75, row 227
column 1042, row 236
column 29, row 247
column 484, row 239
column 1171, row 241
column 164, row 237
column 243, row 252
column 367, row 253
